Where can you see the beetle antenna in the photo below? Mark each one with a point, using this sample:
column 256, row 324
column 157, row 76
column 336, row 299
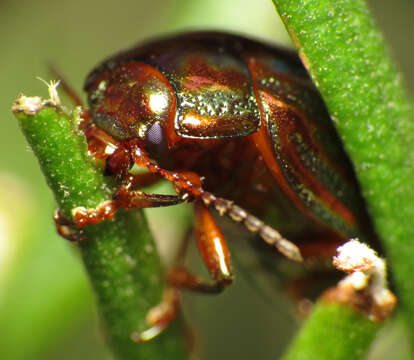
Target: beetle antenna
column 223, row 206
column 253, row 224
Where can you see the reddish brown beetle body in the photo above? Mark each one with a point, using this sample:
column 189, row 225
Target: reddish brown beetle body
column 222, row 116
column 220, row 106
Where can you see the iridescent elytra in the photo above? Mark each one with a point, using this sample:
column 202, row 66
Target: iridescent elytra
column 237, row 126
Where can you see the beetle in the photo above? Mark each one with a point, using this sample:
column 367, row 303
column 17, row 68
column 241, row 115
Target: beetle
column 236, row 126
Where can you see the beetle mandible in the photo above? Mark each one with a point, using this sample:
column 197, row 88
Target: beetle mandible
column 236, row 126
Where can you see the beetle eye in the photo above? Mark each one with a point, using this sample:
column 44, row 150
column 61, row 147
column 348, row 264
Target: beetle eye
column 156, row 144
column 154, row 134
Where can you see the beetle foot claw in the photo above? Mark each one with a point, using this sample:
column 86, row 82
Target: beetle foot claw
column 67, row 228
column 159, row 317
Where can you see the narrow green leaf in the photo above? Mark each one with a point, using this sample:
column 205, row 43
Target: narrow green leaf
column 349, row 62
column 334, row 331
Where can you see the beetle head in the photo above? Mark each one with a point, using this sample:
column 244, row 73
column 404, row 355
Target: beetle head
column 131, row 101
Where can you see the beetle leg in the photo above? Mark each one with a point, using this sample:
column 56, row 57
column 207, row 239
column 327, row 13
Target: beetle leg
column 85, row 216
column 128, row 199
column 64, row 227
column 160, row 316
column 100, row 144
column 136, row 199
column 124, row 197
column 181, row 253
column 115, row 158
column 141, row 180
column 215, row 254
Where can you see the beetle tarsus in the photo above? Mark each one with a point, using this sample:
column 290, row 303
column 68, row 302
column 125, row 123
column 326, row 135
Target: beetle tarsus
column 65, row 227
column 159, row 317
column 105, row 210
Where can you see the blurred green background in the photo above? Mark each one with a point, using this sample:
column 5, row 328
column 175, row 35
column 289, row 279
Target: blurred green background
column 46, row 306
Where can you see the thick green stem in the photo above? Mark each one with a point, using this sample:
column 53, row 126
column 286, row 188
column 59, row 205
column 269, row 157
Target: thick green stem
column 119, row 255
column 348, row 60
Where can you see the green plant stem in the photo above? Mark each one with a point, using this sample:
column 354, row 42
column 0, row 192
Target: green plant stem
column 334, row 331
column 119, row 255
column 348, row 61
